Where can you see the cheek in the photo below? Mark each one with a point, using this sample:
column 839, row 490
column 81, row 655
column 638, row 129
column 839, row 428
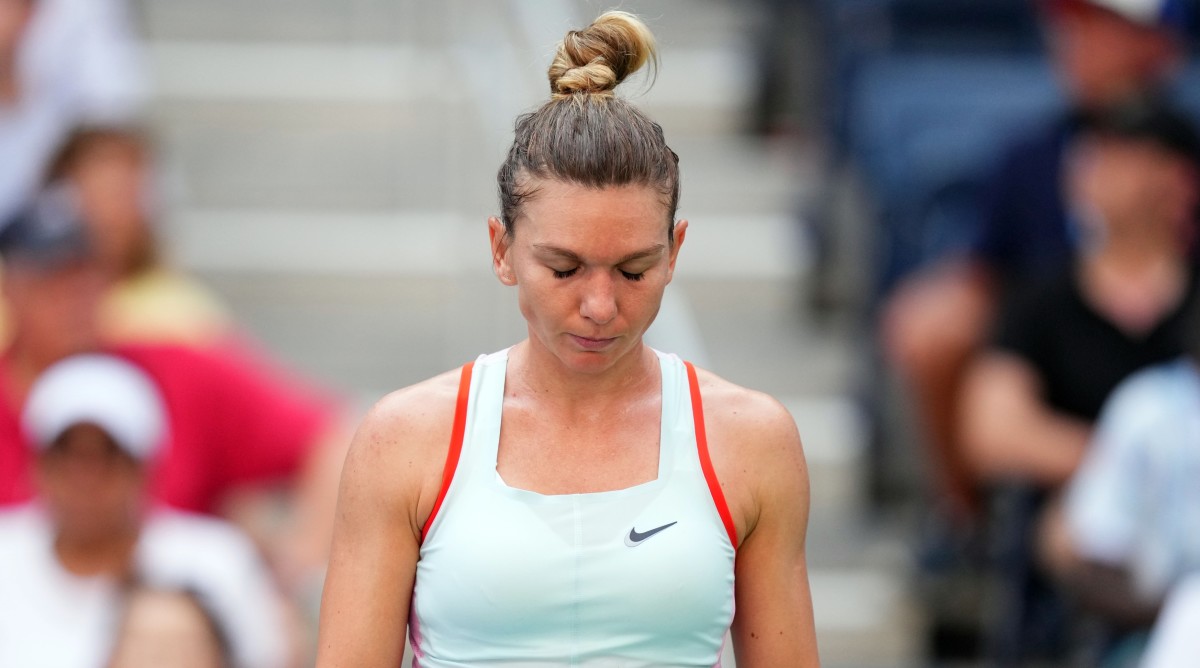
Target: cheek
column 542, row 296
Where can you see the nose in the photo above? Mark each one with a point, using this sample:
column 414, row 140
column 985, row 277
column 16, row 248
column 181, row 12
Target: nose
column 599, row 302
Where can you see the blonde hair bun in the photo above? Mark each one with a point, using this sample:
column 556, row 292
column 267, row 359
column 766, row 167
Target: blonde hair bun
column 599, row 57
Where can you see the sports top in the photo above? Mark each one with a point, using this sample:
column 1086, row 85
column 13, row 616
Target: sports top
column 641, row 576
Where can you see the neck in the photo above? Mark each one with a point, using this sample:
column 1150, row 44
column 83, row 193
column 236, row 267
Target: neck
column 110, row 555
column 1135, row 285
column 543, row 374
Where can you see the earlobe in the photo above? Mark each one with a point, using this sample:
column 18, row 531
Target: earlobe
column 499, row 238
column 504, row 271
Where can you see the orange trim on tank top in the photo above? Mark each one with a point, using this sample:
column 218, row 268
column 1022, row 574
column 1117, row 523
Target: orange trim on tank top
column 456, row 442
column 710, row 474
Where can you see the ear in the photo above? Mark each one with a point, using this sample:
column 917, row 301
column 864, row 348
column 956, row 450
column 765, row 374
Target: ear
column 500, row 246
column 680, row 233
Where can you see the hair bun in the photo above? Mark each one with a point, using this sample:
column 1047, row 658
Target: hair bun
column 599, row 57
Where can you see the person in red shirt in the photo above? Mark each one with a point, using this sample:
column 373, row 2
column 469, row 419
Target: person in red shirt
column 241, row 429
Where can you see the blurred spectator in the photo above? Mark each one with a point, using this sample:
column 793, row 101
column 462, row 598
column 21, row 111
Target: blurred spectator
column 1030, row 401
column 62, row 63
column 1064, row 343
column 1105, row 51
column 94, row 423
column 786, row 92
column 1130, row 532
column 111, row 168
column 240, row 430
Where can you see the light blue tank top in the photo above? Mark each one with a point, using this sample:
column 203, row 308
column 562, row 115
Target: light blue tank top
column 641, row 576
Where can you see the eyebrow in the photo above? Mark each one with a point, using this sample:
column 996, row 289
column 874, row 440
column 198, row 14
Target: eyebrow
column 656, row 249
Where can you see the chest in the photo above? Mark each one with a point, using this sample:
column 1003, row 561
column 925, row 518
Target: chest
column 61, row 620
column 644, row 574
column 1082, row 357
column 563, row 454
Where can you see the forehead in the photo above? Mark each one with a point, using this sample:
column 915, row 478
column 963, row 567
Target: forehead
column 85, row 437
column 107, row 147
column 85, row 432
column 570, row 211
column 1080, row 14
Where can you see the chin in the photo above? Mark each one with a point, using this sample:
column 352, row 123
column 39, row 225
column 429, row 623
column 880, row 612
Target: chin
column 584, row 361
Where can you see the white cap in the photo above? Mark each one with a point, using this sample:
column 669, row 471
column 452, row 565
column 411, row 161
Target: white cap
column 1153, row 13
column 106, row 391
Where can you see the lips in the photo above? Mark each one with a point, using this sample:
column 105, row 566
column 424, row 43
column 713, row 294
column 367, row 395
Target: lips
column 588, row 343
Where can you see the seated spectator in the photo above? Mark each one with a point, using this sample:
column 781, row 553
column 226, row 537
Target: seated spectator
column 935, row 322
column 94, row 424
column 1129, row 530
column 1063, row 344
column 1031, row 399
column 238, row 427
column 111, row 169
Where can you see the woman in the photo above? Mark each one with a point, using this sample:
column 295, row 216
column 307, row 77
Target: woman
column 110, row 170
column 570, row 499
column 96, row 426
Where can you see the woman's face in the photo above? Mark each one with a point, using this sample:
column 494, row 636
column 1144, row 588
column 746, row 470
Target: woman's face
column 1136, row 187
column 109, row 177
column 590, row 266
column 92, row 488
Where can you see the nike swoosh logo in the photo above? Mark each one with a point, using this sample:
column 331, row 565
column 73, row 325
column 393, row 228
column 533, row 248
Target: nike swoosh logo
column 634, row 538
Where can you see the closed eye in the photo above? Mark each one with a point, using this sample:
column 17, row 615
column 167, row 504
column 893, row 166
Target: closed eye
column 565, row 274
column 632, row 276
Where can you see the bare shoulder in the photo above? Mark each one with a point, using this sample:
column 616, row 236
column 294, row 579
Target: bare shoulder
column 413, row 410
column 755, row 448
column 400, row 446
column 751, row 419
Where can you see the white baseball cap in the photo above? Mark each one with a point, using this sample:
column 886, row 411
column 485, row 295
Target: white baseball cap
column 1151, row 13
column 103, row 390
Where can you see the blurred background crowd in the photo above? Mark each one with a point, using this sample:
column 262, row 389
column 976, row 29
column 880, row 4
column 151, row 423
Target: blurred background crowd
column 956, row 238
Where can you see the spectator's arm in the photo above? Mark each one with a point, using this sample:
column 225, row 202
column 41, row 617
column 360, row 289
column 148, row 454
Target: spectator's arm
column 1007, row 429
column 937, row 318
column 281, row 444
column 1096, row 527
column 304, row 549
column 1107, row 589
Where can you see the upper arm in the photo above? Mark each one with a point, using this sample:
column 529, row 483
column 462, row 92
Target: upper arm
column 1009, row 430
column 998, row 387
column 388, row 481
column 764, row 470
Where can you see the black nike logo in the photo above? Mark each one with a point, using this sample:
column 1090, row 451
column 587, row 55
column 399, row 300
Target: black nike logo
column 635, row 538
